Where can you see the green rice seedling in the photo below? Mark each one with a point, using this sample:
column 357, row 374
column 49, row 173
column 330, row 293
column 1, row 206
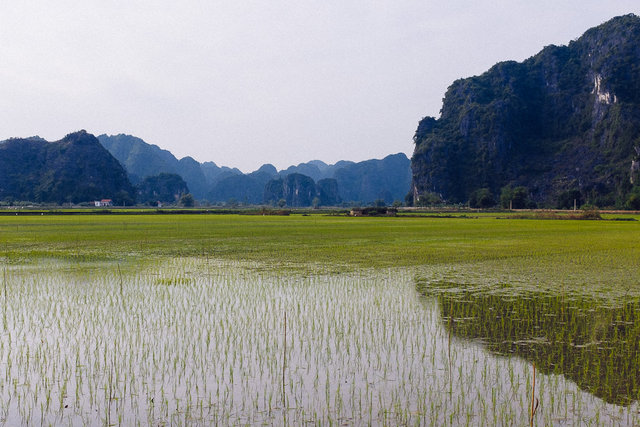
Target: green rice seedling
column 414, row 321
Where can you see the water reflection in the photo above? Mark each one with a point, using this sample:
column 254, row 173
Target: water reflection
column 595, row 345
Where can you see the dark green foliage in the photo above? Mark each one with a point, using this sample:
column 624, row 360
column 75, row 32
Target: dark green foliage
column 506, row 196
column 408, row 199
column 633, row 201
column 570, row 198
column 374, row 211
column 165, row 188
column 187, row 200
column 73, row 170
column 567, row 118
column 482, row 199
column 516, row 198
column 124, row 198
column 590, row 212
column 428, row 199
column 590, row 343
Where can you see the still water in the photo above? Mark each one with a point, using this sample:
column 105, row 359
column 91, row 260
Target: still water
column 200, row 342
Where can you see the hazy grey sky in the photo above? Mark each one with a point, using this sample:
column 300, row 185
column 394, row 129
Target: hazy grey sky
column 247, row 82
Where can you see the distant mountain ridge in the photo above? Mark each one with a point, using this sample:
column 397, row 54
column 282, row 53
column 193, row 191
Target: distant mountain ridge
column 141, row 160
column 388, row 179
column 81, row 168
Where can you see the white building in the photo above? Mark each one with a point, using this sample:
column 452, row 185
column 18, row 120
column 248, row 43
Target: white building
column 103, row 203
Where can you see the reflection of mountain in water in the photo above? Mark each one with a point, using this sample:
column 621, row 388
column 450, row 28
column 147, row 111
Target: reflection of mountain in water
column 595, row 346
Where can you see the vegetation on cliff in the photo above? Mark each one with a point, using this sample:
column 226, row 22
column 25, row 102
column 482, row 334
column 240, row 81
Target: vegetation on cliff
column 564, row 124
column 164, row 188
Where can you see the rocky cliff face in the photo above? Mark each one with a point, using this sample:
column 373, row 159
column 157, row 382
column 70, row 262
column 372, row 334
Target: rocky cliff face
column 296, row 189
column 565, row 119
column 387, row 179
column 164, row 188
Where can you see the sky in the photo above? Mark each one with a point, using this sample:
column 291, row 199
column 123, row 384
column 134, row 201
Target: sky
column 248, row 82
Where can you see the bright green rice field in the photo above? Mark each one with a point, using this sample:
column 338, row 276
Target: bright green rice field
column 180, row 320
column 590, row 255
column 327, row 242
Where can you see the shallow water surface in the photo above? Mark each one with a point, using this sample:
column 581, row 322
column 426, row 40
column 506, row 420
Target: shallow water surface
column 199, row 342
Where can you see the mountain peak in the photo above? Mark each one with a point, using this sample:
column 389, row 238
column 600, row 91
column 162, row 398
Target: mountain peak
column 268, row 168
column 563, row 122
column 80, row 137
column 74, row 169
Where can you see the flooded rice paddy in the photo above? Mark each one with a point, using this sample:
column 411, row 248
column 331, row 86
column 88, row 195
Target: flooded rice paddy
column 202, row 342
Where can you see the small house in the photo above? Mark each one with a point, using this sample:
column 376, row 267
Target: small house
column 103, row 203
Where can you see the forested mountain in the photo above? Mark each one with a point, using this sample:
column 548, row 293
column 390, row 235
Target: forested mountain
column 327, row 192
column 163, row 188
column 297, row 190
column 79, row 169
column 75, row 169
column 563, row 124
column 240, row 188
column 141, row 160
column 388, row 179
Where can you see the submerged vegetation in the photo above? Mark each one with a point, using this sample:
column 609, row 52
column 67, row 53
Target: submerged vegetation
column 421, row 320
column 197, row 341
column 593, row 343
